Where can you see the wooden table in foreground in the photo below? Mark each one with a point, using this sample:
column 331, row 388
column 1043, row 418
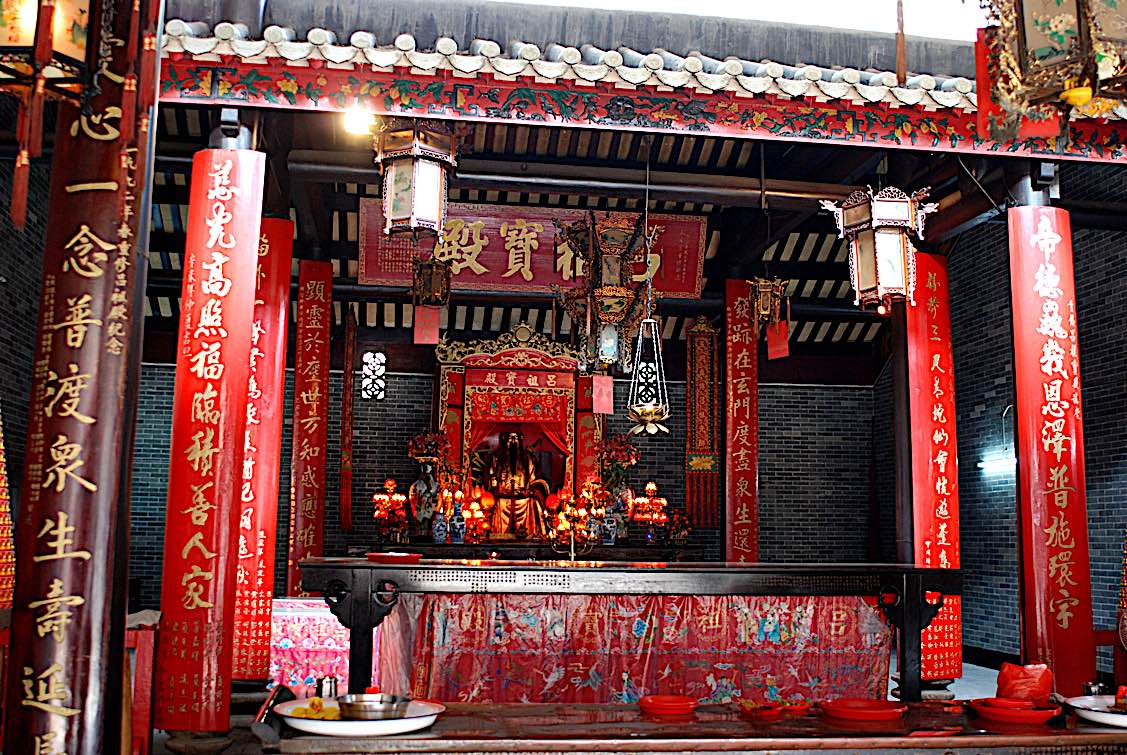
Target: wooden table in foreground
column 537, row 728
column 361, row 593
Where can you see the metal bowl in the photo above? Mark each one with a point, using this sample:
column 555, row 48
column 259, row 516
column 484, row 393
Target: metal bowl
column 372, row 707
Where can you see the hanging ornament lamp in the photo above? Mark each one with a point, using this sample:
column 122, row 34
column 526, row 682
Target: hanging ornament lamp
column 649, row 398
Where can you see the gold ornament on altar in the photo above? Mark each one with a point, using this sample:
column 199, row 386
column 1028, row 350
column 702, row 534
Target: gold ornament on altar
column 607, row 306
column 389, row 509
column 414, row 156
column 879, row 228
column 578, row 523
column 1053, row 58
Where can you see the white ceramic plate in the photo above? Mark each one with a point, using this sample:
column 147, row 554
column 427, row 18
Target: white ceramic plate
column 420, row 715
column 1095, row 709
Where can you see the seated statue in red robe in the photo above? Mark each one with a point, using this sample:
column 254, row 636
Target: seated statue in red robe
column 518, row 489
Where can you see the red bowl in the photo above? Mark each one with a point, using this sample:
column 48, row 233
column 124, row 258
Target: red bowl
column 1013, row 715
column 857, row 709
column 393, row 557
column 667, row 705
column 1011, row 703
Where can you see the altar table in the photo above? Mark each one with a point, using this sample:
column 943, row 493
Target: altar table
column 471, row 728
column 361, row 594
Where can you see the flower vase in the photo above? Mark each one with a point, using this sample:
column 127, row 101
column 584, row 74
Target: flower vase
column 610, row 531
column 458, row 529
column 439, row 529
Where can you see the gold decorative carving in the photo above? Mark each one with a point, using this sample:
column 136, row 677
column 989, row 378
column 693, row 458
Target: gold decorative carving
column 532, row 350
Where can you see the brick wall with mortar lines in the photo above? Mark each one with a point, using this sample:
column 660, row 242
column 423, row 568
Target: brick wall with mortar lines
column 798, row 423
column 21, row 269
column 814, row 448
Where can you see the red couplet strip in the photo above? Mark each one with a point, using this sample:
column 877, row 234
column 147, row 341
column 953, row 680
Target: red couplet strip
column 310, row 418
column 258, row 493
column 935, row 475
column 1056, row 587
column 208, row 433
column 742, row 407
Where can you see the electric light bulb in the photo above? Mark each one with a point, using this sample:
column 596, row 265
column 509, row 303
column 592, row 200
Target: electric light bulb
column 358, row 121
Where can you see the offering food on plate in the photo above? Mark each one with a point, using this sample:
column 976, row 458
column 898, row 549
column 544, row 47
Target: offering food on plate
column 1120, row 704
column 317, row 710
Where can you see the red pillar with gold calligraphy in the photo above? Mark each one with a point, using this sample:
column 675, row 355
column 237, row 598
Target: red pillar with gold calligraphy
column 310, row 419
column 209, row 414
column 1056, row 588
column 258, row 495
column 64, row 670
column 741, row 469
column 935, row 473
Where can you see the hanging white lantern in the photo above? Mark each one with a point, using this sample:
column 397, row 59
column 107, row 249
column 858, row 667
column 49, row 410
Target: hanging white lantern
column 414, row 157
column 882, row 259
column 649, row 399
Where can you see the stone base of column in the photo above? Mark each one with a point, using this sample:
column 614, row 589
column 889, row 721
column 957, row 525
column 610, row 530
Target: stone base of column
column 198, row 743
column 930, row 689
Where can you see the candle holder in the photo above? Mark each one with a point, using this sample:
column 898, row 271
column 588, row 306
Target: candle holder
column 389, row 509
column 578, row 522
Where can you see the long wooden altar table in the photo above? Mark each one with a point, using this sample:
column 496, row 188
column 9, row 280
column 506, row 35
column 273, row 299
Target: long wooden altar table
column 512, row 728
column 361, row 593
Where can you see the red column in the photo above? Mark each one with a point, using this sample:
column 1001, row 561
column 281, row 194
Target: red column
column 741, row 469
column 1056, row 588
column 258, row 494
column 935, row 474
column 68, row 618
column 208, row 432
column 310, row 419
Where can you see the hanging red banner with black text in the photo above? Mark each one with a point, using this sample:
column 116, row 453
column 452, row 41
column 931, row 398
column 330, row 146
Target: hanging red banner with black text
column 702, row 441
column 258, row 494
column 742, row 424
column 935, row 472
column 209, row 413
column 1056, row 586
column 310, row 418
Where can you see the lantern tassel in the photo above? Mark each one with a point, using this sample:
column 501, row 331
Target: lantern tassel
column 17, row 209
column 33, row 138
column 129, row 108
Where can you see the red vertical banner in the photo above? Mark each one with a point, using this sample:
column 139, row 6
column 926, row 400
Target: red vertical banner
column 935, row 472
column 742, row 425
column 702, row 426
column 7, row 544
column 346, row 409
column 1056, row 586
column 258, row 493
column 209, row 413
column 310, row 419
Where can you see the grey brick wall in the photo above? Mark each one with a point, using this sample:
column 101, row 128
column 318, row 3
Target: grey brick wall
column 814, row 448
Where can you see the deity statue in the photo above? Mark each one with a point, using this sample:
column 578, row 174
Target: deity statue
column 518, row 489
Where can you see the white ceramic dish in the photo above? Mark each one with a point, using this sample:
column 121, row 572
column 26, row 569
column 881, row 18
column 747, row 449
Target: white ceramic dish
column 420, row 715
column 1095, row 709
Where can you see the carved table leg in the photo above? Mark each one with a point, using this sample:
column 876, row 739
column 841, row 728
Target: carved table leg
column 910, row 613
column 361, row 607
